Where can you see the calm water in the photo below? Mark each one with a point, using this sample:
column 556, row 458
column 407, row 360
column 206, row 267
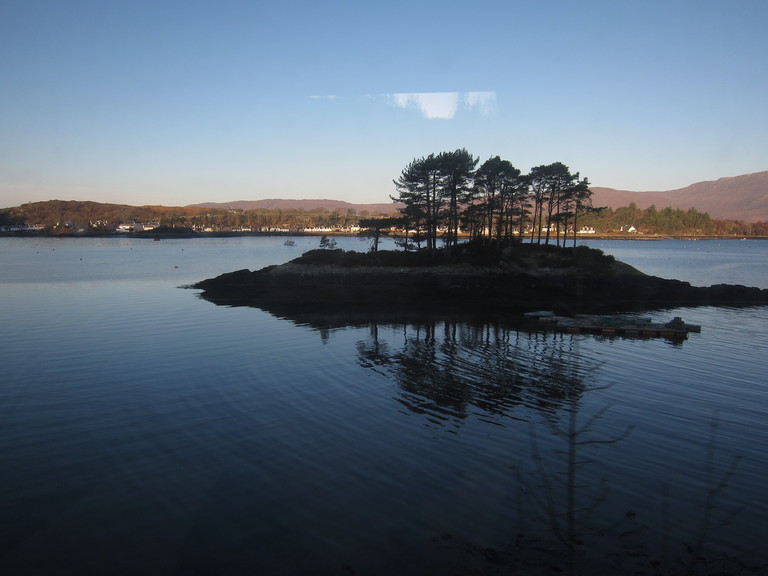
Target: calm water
column 145, row 430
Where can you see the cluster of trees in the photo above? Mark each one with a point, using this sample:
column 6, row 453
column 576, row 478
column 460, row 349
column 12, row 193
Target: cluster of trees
column 266, row 219
column 669, row 221
column 741, row 228
column 54, row 214
column 652, row 221
column 443, row 193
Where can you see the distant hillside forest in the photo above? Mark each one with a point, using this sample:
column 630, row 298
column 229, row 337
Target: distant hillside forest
column 59, row 216
column 67, row 217
column 667, row 222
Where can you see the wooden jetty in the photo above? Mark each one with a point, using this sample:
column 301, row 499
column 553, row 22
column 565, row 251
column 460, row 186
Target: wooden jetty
column 612, row 325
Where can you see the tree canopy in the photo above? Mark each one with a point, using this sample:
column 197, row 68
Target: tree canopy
column 443, row 192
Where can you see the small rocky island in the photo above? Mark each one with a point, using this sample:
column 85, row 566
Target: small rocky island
column 479, row 278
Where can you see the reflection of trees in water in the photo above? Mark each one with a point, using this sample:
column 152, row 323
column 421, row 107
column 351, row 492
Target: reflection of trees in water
column 566, row 521
column 561, row 489
column 447, row 371
column 567, row 488
column 444, row 369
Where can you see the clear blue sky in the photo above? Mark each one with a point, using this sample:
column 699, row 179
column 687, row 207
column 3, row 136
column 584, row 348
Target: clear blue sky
column 179, row 102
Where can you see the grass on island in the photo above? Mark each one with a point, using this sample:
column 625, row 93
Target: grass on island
column 477, row 253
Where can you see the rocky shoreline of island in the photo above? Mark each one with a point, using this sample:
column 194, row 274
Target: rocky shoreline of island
column 511, row 280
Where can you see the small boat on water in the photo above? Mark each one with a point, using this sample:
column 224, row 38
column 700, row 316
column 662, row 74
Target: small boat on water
column 612, row 325
column 289, row 243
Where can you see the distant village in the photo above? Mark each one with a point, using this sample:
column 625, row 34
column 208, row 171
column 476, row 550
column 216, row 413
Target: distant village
column 132, row 227
column 135, row 227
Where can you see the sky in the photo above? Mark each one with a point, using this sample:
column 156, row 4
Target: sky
column 180, row 102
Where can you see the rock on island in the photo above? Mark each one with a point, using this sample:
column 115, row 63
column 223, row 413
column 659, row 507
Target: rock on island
column 472, row 278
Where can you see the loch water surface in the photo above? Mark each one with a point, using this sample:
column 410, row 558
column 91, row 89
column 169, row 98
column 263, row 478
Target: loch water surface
column 144, row 430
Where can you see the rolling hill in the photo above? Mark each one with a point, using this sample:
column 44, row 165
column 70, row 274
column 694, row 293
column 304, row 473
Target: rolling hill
column 320, row 204
column 736, row 198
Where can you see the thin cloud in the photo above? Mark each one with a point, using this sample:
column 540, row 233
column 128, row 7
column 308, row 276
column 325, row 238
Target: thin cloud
column 431, row 105
column 445, row 105
column 483, row 102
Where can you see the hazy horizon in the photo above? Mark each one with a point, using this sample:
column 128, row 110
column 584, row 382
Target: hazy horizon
column 182, row 103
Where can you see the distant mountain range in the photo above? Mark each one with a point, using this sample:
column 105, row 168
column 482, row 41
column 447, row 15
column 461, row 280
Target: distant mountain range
column 734, row 198
column 321, row 205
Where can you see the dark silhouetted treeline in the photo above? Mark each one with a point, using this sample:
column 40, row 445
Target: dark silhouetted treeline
column 447, row 193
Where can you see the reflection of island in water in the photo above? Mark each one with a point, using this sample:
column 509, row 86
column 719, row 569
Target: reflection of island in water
column 450, row 371
column 446, row 364
column 571, row 516
column 453, row 371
